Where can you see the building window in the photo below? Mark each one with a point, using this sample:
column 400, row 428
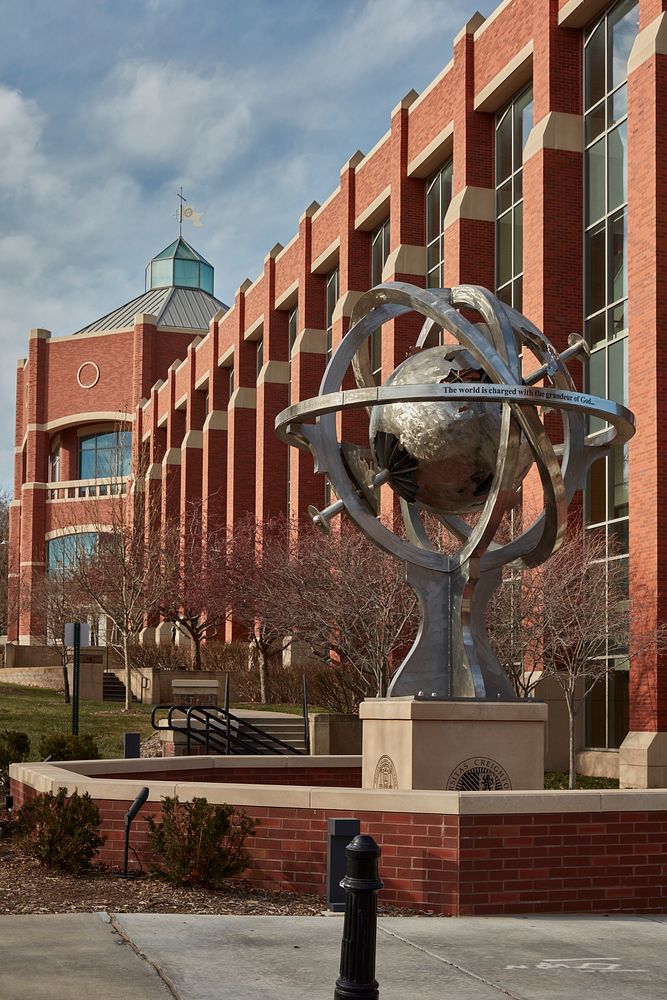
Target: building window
column 63, row 552
column 54, row 463
column 607, row 46
column 379, row 254
column 260, row 355
column 292, row 333
column 105, row 455
column 333, row 286
column 438, row 197
column 513, row 127
column 231, row 381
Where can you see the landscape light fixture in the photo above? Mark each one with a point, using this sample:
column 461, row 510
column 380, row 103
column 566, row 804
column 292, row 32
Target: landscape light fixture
column 129, row 816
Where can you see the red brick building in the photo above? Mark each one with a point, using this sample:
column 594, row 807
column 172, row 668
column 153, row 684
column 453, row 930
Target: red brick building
column 535, row 164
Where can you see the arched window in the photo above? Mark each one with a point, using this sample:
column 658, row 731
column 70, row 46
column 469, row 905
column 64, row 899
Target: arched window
column 105, row 455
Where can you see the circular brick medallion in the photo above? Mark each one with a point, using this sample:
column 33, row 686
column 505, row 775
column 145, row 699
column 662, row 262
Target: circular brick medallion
column 479, row 774
column 88, row 375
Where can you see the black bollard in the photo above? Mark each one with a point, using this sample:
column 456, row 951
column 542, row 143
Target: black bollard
column 357, row 954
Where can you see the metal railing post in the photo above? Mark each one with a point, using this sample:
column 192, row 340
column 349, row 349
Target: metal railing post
column 306, row 726
column 357, row 954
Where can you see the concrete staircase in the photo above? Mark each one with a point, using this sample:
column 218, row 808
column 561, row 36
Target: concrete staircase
column 288, row 728
column 113, row 688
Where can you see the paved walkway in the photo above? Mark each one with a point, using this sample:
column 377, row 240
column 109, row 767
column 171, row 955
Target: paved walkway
column 155, row 956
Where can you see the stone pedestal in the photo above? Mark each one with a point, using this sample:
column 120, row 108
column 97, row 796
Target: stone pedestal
column 195, row 691
column 455, row 745
column 642, row 760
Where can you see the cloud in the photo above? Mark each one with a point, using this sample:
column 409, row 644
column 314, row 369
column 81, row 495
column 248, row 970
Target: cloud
column 160, row 113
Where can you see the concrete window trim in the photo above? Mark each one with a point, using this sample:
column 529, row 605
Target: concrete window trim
column 507, row 82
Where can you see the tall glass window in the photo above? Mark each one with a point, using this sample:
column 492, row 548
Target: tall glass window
column 292, row 333
column 438, row 197
column 62, row 552
column 607, row 46
column 333, row 292
column 105, row 455
column 379, row 254
column 513, row 127
column 260, row 355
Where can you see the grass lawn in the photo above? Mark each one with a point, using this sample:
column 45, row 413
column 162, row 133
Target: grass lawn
column 36, row 711
column 557, row 780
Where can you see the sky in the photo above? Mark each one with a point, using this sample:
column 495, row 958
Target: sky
column 107, row 107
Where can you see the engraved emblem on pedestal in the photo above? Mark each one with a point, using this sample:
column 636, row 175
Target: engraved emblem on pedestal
column 479, row 774
column 385, row 773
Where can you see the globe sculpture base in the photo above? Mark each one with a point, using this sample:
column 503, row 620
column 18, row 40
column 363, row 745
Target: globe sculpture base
column 464, row 744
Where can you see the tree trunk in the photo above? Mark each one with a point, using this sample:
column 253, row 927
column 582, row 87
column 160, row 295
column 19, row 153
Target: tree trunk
column 128, row 675
column 196, row 649
column 264, row 693
column 571, row 715
column 66, row 678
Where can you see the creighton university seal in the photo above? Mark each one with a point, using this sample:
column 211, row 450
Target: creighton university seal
column 385, row 773
column 478, row 774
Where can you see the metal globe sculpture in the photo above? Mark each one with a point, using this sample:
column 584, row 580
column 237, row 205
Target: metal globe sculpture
column 453, row 432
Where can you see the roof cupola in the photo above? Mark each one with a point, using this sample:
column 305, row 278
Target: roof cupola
column 179, row 266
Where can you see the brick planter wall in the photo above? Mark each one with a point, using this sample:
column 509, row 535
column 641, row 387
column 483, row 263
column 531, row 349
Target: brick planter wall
column 449, row 853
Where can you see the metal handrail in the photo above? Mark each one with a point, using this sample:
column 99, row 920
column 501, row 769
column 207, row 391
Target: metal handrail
column 223, row 732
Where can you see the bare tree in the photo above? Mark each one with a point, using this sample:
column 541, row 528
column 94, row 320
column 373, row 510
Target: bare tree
column 121, row 577
column 339, row 595
column 567, row 619
column 57, row 599
column 193, row 594
column 5, row 500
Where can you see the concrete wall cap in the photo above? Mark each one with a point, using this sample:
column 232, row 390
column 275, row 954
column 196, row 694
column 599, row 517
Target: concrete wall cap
column 375, row 212
column 273, row 252
column 193, row 439
column 433, row 155
column 406, row 102
column 244, row 286
column 472, row 203
column 405, row 259
column 652, row 41
column 328, row 259
column 255, row 329
column 557, row 130
column 310, row 211
column 216, row 420
column 145, row 319
column 172, row 456
column 39, row 334
column 507, row 81
column 288, row 298
column 470, row 27
column 353, row 162
column 274, row 372
column 243, row 398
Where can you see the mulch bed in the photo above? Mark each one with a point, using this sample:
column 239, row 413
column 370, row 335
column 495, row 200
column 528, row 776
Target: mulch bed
column 28, row 887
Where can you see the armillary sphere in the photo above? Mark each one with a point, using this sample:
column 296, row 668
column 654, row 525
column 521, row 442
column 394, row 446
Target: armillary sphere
column 453, row 432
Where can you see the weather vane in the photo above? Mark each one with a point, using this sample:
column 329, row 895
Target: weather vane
column 186, row 213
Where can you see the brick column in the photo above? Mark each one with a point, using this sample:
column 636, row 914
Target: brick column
column 470, row 218
column 406, row 260
column 643, row 756
column 307, row 366
column 272, row 382
column 33, row 491
column 192, row 445
column 214, row 438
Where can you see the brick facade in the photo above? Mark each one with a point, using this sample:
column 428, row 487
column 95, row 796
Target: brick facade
column 227, row 453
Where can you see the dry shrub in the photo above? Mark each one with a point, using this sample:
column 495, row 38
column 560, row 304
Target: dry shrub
column 162, row 657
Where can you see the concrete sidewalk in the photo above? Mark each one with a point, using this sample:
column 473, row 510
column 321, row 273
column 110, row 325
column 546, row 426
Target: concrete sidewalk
column 151, row 956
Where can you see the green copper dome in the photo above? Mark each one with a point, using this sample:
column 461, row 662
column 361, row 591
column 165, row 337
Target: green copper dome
column 180, row 266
